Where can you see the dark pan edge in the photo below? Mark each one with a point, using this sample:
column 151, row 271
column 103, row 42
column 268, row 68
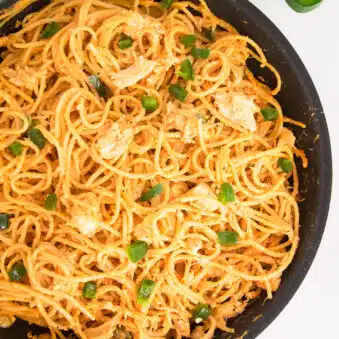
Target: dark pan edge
column 292, row 281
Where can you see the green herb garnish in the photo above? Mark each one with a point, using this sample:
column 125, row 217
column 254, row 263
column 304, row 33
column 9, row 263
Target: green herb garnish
column 285, row 165
column 149, row 103
column 269, row 113
column 202, row 53
column 145, row 291
column 51, row 202
column 89, row 290
column 137, row 250
column 51, row 29
column 226, row 193
column 202, row 312
column 188, row 40
column 227, row 238
column 15, row 148
column 166, row 3
column 36, row 137
column 186, row 70
column 178, row 92
column 17, row 272
column 152, row 193
column 4, row 221
column 125, row 41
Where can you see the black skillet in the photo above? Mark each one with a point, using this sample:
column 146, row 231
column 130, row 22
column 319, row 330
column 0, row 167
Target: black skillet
column 300, row 99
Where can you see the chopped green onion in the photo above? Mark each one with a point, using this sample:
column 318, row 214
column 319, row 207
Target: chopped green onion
column 269, row 113
column 17, row 272
column 202, row 53
column 226, row 193
column 98, row 85
column 51, row 202
column 227, row 238
column 89, row 290
column 149, row 103
column 202, row 312
column 125, row 42
column 186, row 70
column 137, row 250
column 37, row 137
column 15, row 148
column 152, row 193
column 51, row 29
column 188, row 40
column 285, row 165
column 166, row 3
column 210, row 34
column 145, row 291
column 4, row 221
column 178, row 92
column 303, row 6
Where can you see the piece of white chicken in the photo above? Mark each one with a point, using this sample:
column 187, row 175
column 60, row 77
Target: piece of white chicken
column 25, row 76
column 177, row 119
column 115, row 140
column 210, row 203
column 133, row 74
column 86, row 220
column 239, row 108
column 138, row 22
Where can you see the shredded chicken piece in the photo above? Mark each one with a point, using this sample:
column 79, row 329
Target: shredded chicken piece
column 115, row 141
column 62, row 286
column 206, row 204
column 139, row 22
column 27, row 77
column 142, row 233
column 86, row 220
column 168, row 60
column 154, row 77
column 133, row 74
column 238, row 108
column 178, row 189
column 187, row 125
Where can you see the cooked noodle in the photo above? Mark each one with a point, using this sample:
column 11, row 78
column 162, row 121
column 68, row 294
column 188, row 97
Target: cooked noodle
column 103, row 153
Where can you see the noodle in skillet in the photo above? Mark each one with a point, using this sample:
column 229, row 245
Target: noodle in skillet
column 144, row 171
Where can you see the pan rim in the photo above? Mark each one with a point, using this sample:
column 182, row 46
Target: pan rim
column 253, row 16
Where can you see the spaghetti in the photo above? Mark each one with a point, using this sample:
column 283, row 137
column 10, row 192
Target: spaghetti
column 144, row 171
